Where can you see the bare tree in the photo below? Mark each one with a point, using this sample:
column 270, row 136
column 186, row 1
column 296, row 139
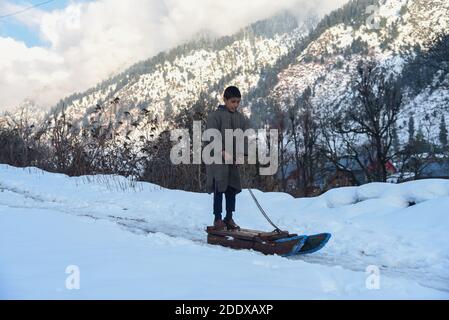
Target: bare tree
column 304, row 134
column 334, row 145
column 279, row 123
column 366, row 129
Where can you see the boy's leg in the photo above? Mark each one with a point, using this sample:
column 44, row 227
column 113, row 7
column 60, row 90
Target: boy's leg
column 218, row 203
column 230, row 202
column 230, row 207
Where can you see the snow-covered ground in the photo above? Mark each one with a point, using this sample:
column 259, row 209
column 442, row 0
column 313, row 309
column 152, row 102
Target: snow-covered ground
column 142, row 241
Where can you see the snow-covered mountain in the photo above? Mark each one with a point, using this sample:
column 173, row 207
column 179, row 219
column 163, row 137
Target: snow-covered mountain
column 390, row 34
column 134, row 241
column 162, row 86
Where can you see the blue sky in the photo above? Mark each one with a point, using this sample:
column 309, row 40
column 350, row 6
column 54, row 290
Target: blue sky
column 10, row 27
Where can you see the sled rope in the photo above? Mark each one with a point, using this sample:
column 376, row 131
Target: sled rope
column 263, row 211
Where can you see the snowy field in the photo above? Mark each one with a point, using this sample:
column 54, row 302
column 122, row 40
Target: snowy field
column 142, row 241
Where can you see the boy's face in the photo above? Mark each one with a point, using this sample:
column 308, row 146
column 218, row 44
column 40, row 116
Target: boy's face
column 232, row 104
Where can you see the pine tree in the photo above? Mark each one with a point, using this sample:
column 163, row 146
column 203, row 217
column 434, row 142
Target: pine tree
column 411, row 130
column 443, row 133
column 169, row 110
column 420, row 142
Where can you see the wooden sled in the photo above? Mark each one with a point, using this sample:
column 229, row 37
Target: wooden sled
column 276, row 242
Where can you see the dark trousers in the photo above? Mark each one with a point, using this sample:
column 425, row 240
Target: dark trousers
column 230, row 201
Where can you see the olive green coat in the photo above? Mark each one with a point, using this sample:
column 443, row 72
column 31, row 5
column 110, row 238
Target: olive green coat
column 224, row 174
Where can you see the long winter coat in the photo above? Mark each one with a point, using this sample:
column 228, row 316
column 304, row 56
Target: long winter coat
column 224, row 174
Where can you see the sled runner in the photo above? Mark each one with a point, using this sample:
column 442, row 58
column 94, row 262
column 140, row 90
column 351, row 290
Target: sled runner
column 276, row 242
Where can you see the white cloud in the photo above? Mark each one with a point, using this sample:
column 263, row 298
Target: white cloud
column 88, row 42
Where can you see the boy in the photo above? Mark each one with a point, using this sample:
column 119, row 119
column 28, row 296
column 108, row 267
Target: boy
column 225, row 178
